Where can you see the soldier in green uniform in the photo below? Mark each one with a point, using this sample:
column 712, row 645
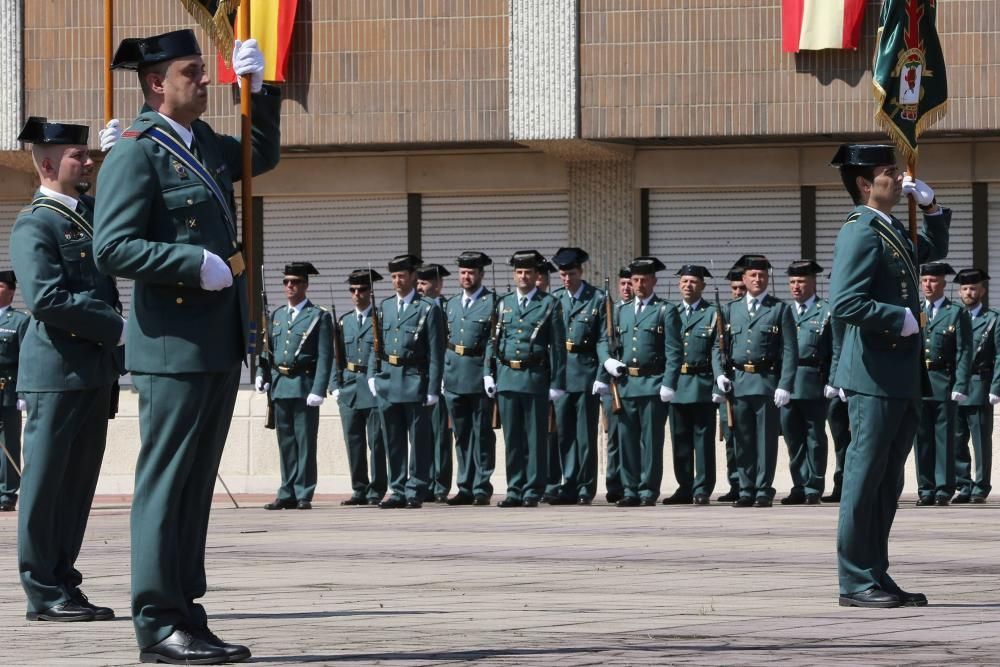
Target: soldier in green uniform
column 647, row 375
column 764, row 354
column 359, row 413
column 803, row 420
column 836, row 413
column 577, row 412
column 165, row 220
column 430, row 281
column 470, row 320
column 975, row 414
column 68, row 363
column 530, row 361
column 13, row 327
column 408, row 384
column 947, row 358
column 553, row 465
column 613, row 462
column 737, row 291
column 874, row 293
column 300, row 351
column 692, row 412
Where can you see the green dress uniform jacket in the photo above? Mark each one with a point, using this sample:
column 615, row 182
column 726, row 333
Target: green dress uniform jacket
column 412, row 365
column 66, row 367
column 469, row 338
column 442, row 437
column 764, row 351
column 803, row 420
column 577, row 412
column 613, row 461
column 13, row 327
column 874, row 281
column 301, row 360
column 975, row 414
column 530, row 358
column 154, row 221
column 652, row 353
column 947, row 359
column 359, row 413
column 692, row 412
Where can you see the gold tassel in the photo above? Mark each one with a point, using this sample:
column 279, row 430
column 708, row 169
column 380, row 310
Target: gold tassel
column 217, row 26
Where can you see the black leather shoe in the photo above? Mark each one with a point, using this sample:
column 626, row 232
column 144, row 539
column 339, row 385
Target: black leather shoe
column 549, row 500
column 961, row 499
column 7, row 506
column 794, row 499
column 303, row 505
column 413, row 504
column 279, row 504
column 529, row 502
column 911, row 599
column 743, row 501
column 648, row 502
column 730, row 497
column 355, row 500
column 460, row 499
column 613, row 497
column 628, row 501
column 678, row 499
column 66, row 611
column 509, row 502
column 481, row 501
column 813, row 499
column 184, row 648
column 942, row 501
column 441, row 498
column 762, row 502
column 392, row 503
column 925, row 501
column 873, row 597
column 234, row 652
column 701, row 499
column 583, row 500
column 834, row 497
column 100, row 613
column 978, row 500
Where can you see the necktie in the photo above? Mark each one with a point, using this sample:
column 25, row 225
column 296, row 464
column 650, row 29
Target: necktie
column 753, row 307
column 361, row 320
column 402, row 305
column 466, row 302
column 292, row 312
column 802, row 309
column 930, row 310
column 524, row 302
column 687, row 310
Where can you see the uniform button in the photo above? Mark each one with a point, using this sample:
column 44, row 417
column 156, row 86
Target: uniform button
column 190, row 201
column 83, row 253
column 180, row 300
column 181, row 284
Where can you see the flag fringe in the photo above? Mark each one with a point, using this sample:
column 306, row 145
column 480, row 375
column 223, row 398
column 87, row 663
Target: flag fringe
column 896, row 135
column 218, row 27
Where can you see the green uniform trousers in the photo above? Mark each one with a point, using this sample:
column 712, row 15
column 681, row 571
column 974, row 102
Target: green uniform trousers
column 525, row 419
column 577, row 413
column 692, row 437
column 365, row 452
column 410, row 421
column 443, row 439
column 613, row 462
column 183, row 423
column 63, row 448
column 643, row 423
column 475, row 442
column 935, row 449
column 732, row 470
column 756, row 432
column 10, row 431
column 297, row 426
column 553, row 463
column 840, row 430
column 803, row 423
column 882, row 432
column 975, row 421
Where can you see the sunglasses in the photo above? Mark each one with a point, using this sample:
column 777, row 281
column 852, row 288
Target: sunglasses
column 358, row 290
column 292, row 281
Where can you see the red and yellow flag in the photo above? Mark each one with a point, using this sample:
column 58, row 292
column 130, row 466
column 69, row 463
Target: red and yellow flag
column 271, row 24
column 811, row 25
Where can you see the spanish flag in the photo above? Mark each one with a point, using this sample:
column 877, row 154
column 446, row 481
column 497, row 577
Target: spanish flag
column 811, row 25
column 271, row 23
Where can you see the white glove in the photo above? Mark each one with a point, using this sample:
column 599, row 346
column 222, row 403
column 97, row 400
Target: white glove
column 335, row 394
column 555, row 393
column 432, row 400
column 260, row 385
column 667, row 394
column 910, row 324
column 599, row 388
column 920, row 191
column 490, row 386
column 723, row 383
column 248, row 60
column 121, row 339
column 994, row 399
column 842, row 396
column 718, row 398
column 371, row 386
column 781, row 397
column 958, row 397
column 830, row 392
column 215, row 273
column 614, row 367
column 314, row 400
column 110, row 135
column 22, row 404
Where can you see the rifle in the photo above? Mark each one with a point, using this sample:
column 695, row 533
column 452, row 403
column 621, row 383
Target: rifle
column 720, row 331
column 609, row 316
column 338, row 342
column 496, row 324
column 267, row 353
column 377, row 351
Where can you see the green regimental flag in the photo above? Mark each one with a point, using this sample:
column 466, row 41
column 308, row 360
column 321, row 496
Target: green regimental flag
column 216, row 18
column 911, row 88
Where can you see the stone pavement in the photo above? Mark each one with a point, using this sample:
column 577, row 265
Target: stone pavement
column 550, row 586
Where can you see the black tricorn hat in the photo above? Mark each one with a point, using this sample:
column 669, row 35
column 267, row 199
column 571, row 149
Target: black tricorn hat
column 9, row 278
column 625, row 272
column 695, row 270
column 301, row 269
column 473, row 259
column 936, row 269
column 864, row 155
column 755, row 262
column 568, row 258
column 734, row 274
column 404, row 263
column 135, row 52
column 971, row 276
column 38, row 130
column 547, row 267
column 528, row 259
column 432, row 272
column 804, row 267
column 363, row 277
column 646, row 265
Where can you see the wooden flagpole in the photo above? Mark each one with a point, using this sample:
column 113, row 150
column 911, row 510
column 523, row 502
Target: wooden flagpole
column 109, row 80
column 246, row 182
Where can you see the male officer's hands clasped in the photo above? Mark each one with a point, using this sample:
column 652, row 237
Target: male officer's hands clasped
column 249, row 61
column 215, row 273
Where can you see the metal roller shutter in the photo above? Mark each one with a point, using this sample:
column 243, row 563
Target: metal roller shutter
column 8, row 214
column 715, row 228
column 993, row 235
column 498, row 225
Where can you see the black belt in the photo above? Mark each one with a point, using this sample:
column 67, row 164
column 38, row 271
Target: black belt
column 809, row 363
column 356, row 368
column 938, row 365
column 293, row 371
column 984, row 372
column 524, row 364
column 695, row 369
column 394, row 360
column 761, row 367
column 644, row 371
column 579, row 348
column 466, row 350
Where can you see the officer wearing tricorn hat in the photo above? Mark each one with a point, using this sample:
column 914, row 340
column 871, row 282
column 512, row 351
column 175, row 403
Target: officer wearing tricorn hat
column 13, row 327
column 430, row 283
